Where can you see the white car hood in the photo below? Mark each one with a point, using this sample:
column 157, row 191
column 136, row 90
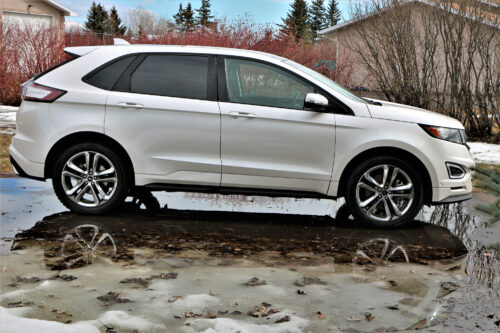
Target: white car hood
column 410, row 114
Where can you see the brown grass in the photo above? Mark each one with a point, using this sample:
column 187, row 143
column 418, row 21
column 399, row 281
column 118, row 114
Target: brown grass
column 5, row 141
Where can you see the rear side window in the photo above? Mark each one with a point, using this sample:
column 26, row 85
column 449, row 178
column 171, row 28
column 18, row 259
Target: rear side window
column 106, row 77
column 173, row 76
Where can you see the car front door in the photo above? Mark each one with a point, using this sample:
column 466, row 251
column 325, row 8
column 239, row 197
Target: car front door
column 269, row 139
column 165, row 114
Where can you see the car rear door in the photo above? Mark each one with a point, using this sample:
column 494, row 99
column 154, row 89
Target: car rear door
column 269, row 140
column 163, row 110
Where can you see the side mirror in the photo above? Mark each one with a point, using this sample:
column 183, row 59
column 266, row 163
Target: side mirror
column 315, row 101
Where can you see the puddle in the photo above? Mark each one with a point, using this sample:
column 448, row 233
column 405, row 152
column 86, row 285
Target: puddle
column 239, row 264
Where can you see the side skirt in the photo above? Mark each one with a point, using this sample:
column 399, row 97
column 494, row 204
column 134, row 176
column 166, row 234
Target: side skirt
column 235, row 190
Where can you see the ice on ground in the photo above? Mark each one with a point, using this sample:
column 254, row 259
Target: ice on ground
column 125, row 321
column 197, row 303
column 485, row 152
column 12, row 323
column 227, row 325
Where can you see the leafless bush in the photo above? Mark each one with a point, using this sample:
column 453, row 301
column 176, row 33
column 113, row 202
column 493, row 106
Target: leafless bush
column 439, row 56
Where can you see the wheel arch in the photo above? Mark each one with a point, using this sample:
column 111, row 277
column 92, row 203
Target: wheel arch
column 81, row 137
column 390, row 152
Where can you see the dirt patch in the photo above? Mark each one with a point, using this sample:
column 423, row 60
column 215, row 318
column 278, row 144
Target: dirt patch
column 5, row 166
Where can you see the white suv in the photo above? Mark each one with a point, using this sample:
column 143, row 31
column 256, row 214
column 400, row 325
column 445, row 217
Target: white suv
column 202, row 119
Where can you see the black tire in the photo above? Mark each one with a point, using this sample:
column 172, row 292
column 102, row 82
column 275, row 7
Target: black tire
column 120, row 191
column 360, row 214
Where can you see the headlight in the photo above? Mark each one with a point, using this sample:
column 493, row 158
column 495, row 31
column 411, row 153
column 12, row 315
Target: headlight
column 444, row 133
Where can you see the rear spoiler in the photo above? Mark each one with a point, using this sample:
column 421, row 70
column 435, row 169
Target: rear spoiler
column 78, row 51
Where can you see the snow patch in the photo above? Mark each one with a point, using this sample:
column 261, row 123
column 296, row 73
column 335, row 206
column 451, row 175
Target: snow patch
column 273, row 290
column 125, row 321
column 4, row 108
column 11, row 323
column 485, row 152
column 45, row 284
column 228, row 325
column 197, row 303
column 14, row 293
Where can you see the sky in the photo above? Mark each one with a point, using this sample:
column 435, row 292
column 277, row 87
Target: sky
column 261, row 11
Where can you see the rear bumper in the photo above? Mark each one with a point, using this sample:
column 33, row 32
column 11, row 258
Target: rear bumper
column 25, row 168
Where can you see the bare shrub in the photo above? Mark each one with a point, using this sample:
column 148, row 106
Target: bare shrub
column 439, row 56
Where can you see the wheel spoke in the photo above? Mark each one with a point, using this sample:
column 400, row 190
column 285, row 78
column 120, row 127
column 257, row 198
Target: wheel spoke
column 368, row 201
column 371, row 180
column 95, row 163
column 94, row 194
column 393, row 177
column 82, row 193
column 367, row 187
column 406, row 187
column 372, row 208
column 87, row 160
column 388, row 214
column 395, row 207
column 384, row 177
column 75, row 188
column 106, row 180
column 71, row 165
column 105, row 172
column 101, row 191
column 400, row 195
column 72, row 174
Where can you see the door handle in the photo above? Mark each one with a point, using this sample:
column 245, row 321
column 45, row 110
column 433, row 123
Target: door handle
column 129, row 105
column 237, row 114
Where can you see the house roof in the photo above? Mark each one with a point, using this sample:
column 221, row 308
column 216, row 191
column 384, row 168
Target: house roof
column 494, row 3
column 66, row 11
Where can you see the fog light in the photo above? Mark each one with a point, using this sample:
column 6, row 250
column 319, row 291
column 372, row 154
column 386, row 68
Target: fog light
column 455, row 171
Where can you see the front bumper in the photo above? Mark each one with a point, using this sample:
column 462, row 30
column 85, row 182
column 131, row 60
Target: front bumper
column 454, row 190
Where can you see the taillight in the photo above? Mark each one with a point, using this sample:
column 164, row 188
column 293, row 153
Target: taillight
column 32, row 91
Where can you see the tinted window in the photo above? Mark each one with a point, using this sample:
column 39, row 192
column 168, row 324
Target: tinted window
column 255, row 83
column 106, row 77
column 172, row 75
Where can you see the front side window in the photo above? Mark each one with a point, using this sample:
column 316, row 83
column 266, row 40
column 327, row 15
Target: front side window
column 255, row 83
column 172, row 75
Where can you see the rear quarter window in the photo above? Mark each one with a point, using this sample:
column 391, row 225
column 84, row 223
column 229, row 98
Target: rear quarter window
column 106, row 77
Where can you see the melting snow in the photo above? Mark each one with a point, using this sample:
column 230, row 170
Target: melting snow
column 12, row 323
column 228, row 325
column 485, row 152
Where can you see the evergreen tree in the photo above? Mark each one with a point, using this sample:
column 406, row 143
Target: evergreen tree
column 317, row 17
column 296, row 21
column 179, row 17
column 97, row 19
column 204, row 14
column 184, row 19
column 115, row 26
column 189, row 20
column 333, row 14
column 490, row 180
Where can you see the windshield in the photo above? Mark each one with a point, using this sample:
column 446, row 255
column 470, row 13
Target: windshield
column 327, row 81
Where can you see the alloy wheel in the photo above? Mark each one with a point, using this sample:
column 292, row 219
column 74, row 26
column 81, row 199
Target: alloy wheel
column 89, row 179
column 384, row 193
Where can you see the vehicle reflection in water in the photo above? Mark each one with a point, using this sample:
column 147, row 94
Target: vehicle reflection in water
column 73, row 239
column 443, row 242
